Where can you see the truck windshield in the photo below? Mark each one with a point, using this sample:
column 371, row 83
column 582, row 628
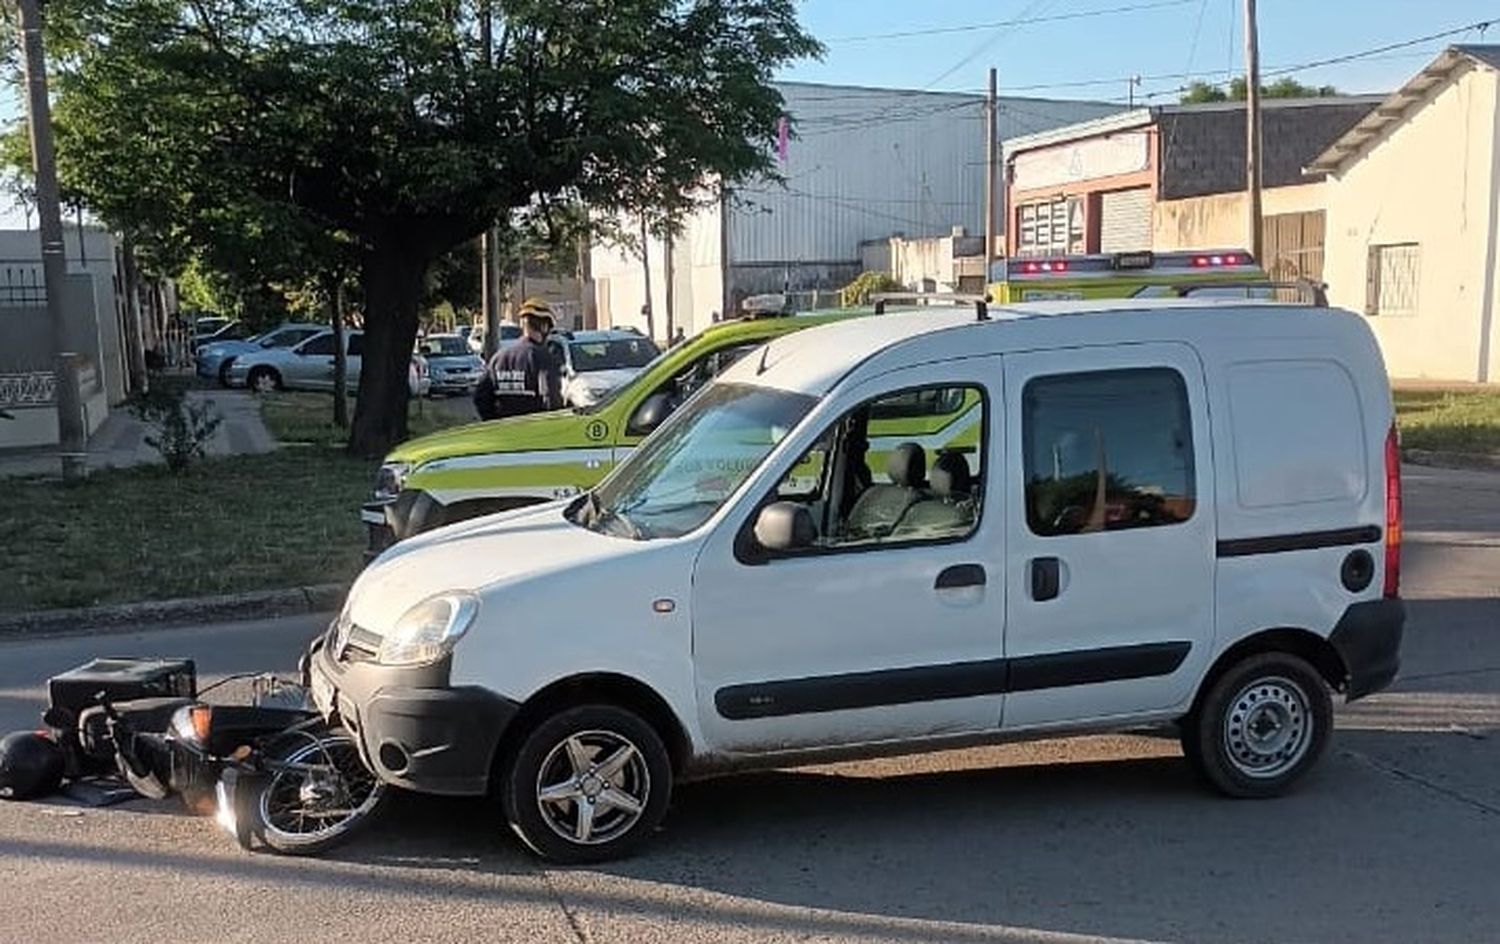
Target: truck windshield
column 682, row 474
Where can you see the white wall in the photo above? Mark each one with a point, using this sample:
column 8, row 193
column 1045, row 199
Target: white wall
column 94, row 256
column 1431, row 180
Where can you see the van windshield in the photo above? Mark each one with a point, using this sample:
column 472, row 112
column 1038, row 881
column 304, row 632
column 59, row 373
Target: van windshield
column 682, row 474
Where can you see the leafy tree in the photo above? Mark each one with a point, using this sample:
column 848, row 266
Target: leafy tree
column 1199, row 92
column 406, row 127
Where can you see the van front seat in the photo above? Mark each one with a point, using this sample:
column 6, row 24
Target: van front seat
column 951, row 505
column 880, row 506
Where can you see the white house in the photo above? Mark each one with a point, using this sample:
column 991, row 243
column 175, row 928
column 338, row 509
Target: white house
column 1414, row 219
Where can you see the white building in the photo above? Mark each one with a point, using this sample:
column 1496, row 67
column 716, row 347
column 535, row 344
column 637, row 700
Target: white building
column 863, row 164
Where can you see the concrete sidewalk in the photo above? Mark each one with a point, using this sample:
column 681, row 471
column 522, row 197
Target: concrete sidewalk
column 120, row 442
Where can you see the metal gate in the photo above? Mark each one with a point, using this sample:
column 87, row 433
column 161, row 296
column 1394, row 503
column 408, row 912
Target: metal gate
column 1293, row 246
column 1125, row 220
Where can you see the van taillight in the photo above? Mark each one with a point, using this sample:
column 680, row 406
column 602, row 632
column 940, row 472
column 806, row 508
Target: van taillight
column 1392, row 514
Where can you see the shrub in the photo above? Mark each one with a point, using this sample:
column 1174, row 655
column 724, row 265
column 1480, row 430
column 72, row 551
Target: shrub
column 183, row 428
column 858, row 292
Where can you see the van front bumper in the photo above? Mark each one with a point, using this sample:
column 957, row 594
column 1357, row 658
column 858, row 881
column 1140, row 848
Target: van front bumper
column 1368, row 639
column 413, row 729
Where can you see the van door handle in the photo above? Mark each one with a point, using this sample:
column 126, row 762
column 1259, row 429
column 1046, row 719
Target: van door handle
column 960, row 575
column 1046, row 580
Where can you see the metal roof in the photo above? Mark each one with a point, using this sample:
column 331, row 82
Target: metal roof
column 1140, row 117
column 1401, row 103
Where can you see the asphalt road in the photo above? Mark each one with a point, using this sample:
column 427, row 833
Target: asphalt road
column 1395, row 838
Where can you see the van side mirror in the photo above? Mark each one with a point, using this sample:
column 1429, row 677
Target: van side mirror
column 785, row 526
column 652, row 412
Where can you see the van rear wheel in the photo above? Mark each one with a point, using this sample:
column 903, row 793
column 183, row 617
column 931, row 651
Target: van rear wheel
column 1261, row 726
column 588, row 784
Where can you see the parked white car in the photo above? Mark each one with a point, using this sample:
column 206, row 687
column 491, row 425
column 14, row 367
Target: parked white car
column 596, row 362
column 1089, row 516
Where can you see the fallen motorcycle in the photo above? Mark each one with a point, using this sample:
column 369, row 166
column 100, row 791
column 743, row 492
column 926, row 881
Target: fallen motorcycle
column 274, row 772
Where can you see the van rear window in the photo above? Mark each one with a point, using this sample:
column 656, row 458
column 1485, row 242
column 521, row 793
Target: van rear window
column 1298, row 433
column 1107, row 450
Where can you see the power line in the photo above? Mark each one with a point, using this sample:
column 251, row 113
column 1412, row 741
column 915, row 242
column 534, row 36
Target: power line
column 1364, row 54
column 1034, row 8
column 1015, row 21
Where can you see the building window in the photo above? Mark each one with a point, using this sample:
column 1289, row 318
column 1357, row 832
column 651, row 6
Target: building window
column 1050, row 228
column 1392, row 278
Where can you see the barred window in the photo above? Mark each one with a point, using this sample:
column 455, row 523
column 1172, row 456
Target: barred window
column 1391, row 279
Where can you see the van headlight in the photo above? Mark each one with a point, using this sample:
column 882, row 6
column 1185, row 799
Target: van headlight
column 390, row 479
column 428, row 631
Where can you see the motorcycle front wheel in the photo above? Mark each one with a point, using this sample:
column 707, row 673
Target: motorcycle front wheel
column 314, row 794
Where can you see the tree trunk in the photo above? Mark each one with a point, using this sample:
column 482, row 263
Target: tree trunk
column 392, row 275
column 340, row 356
column 135, row 343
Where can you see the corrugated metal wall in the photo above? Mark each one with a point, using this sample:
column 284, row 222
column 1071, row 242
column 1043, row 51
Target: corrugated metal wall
column 869, row 163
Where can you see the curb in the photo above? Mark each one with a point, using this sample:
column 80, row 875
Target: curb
column 153, row 614
column 1483, row 462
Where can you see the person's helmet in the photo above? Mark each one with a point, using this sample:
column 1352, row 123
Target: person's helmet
column 31, row 765
column 537, row 310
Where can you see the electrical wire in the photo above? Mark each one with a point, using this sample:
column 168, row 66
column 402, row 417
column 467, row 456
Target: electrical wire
column 1015, row 21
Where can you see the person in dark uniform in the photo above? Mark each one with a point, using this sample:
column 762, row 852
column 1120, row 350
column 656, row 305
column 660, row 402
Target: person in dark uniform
column 522, row 377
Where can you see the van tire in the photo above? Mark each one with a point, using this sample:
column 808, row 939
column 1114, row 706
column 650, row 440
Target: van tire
column 1260, row 727
column 549, row 755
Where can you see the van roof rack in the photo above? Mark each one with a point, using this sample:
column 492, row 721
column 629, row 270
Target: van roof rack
column 981, row 303
column 1308, row 292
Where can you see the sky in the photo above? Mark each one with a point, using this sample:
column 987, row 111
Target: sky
column 1071, row 41
column 1089, row 49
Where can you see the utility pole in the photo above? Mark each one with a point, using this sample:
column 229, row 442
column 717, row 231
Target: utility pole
column 489, row 248
column 71, row 435
column 991, row 173
column 1252, row 130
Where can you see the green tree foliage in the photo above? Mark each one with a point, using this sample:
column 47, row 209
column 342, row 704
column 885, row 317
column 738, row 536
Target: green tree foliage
column 1200, row 92
column 255, row 130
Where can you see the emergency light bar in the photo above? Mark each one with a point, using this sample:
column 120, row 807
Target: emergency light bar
column 1103, row 264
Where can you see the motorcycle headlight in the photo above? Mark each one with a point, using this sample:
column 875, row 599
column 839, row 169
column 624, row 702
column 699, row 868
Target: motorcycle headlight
column 389, row 479
column 428, row 631
column 193, row 724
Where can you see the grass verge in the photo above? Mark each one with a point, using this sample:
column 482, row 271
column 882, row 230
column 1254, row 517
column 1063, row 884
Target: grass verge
column 284, row 519
column 307, row 418
column 1449, row 420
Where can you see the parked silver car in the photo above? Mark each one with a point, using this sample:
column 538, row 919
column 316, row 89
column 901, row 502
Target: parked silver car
column 454, row 368
column 309, row 366
column 213, row 359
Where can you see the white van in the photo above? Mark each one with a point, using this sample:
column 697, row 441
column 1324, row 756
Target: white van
column 903, row 534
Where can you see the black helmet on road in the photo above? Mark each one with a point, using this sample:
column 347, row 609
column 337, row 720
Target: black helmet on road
column 31, row 765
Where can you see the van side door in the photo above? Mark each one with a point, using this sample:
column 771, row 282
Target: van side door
column 1111, row 528
column 885, row 622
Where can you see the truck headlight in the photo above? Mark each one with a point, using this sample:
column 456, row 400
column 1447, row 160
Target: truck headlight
column 428, row 631
column 389, row 479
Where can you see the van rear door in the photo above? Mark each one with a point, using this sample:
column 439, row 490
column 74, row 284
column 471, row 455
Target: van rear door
column 1110, row 523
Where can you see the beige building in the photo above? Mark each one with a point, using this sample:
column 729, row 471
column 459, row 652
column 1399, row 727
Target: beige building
column 1413, row 217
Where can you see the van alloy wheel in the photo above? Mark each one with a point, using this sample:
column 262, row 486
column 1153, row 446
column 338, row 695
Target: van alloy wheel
column 593, row 787
column 586, row 784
